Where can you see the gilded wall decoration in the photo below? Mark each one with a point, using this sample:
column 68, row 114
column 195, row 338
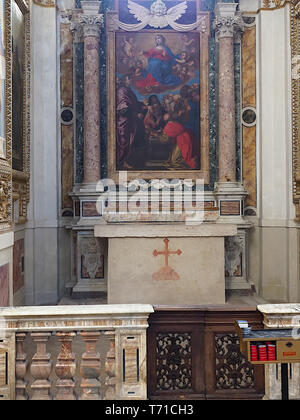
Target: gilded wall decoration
column 2, row 81
column 20, row 87
column 4, row 198
column 273, row 3
column 6, row 119
column 154, row 91
column 295, row 59
column 45, row 3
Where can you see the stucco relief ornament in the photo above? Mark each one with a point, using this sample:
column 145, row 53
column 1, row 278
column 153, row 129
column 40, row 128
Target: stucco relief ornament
column 91, row 252
column 272, row 3
column 296, row 4
column 296, row 67
column 159, row 16
column 233, row 249
column 3, row 201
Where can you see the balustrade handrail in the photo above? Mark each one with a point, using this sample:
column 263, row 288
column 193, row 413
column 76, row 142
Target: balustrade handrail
column 70, row 317
column 125, row 367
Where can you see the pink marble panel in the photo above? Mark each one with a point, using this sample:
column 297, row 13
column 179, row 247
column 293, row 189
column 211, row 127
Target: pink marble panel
column 4, row 285
column 18, row 273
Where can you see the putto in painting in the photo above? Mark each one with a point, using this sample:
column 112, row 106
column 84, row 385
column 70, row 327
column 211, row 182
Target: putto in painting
column 157, row 100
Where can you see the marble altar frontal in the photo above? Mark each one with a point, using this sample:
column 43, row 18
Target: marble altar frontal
column 166, row 265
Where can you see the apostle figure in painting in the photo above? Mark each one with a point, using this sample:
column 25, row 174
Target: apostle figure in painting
column 185, row 151
column 160, row 65
column 154, row 121
column 130, row 127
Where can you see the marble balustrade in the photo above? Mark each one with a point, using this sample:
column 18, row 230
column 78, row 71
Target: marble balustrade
column 38, row 361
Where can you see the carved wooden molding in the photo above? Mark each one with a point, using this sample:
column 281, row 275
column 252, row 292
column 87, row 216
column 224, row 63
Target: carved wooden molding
column 270, row 5
column 6, row 161
column 295, row 57
column 45, row 3
column 15, row 184
column 20, row 179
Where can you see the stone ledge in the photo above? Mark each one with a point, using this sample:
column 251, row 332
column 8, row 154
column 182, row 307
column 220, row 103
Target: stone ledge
column 75, row 317
column 76, row 310
column 142, row 230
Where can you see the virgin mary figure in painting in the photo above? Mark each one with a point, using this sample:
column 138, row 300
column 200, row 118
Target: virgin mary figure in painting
column 160, row 65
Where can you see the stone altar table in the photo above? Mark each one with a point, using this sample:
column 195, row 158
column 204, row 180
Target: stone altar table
column 166, row 264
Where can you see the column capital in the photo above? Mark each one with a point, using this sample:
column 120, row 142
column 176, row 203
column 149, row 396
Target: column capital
column 91, row 24
column 227, row 21
column 228, row 26
column 88, row 21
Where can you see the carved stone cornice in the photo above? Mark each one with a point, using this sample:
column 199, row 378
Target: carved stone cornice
column 228, row 26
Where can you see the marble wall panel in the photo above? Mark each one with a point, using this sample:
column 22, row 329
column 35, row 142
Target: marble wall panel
column 66, row 165
column 66, row 65
column 249, row 164
column 4, row 285
column 249, row 100
column 67, row 137
column 18, row 264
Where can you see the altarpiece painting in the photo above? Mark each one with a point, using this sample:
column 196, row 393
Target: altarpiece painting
column 158, row 90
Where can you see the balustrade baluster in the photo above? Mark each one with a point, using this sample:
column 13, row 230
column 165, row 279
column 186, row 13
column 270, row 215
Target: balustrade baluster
column 41, row 367
column 90, row 367
column 110, row 368
column 21, row 367
column 65, row 367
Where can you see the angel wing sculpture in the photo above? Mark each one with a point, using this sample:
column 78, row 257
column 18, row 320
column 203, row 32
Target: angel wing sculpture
column 158, row 16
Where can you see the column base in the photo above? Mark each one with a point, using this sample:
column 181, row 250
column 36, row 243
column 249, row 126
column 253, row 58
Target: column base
column 89, row 290
column 89, row 187
column 230, row 198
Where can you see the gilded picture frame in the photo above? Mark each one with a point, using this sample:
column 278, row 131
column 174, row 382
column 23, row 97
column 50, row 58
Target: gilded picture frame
column 114, row 32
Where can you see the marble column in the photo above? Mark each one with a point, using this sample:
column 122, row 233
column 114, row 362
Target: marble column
column 226, row 24
column 229, row 191
column 91, row 22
